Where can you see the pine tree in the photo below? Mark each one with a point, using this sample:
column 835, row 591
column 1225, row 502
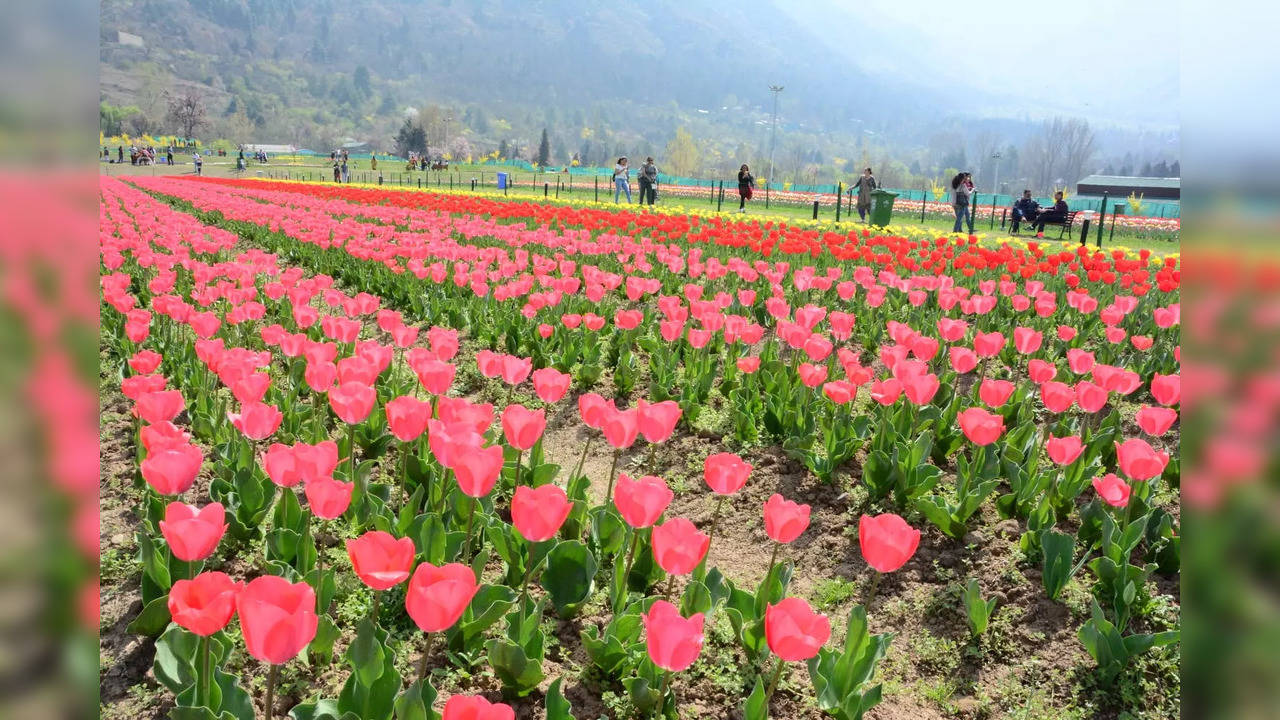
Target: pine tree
column 544, row 150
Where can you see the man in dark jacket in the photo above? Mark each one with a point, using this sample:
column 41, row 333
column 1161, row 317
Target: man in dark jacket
column 1055, row 214
column 1024, row 208
column 648, row 181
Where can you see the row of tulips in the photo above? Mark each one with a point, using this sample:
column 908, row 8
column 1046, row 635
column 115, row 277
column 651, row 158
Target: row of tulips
column 833, row 391
column 279, row 618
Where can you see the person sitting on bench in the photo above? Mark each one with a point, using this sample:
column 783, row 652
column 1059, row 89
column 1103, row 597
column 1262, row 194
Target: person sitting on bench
column 1055, row 214
column 1024, row 208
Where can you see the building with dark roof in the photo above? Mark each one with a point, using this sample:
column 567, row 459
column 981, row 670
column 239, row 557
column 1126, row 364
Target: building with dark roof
column 1119, row 186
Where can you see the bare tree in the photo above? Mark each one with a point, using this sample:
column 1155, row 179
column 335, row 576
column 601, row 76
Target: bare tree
column 187, row 111
column 1079, row 147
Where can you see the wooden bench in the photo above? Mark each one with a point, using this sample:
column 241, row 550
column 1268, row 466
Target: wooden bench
column 1066, row 223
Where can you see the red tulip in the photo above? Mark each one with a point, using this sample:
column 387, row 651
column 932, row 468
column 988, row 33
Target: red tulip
column 458, row 411
column 1066, row 333
column 523, row 427
column 812, row 375
column 1041, row 371
column 657, row 421
column 920, row 389
column 515, row 369
column 794, row 631
column 438, row 596
column 435, row 375
column 474, row 707
column 477, row 471
column 679, row 546
column 380, row 560
column 1113, row 491
column 320, row 375
column 840, row 391
column 251, row 388
column 1090, row 397
column 315, row 461
column 749, row 365
column 159, row 406
column 642, row 501
column 277, row 618
column 1139, row 461
column 327, row 497
column 593, row 409
column 1057, row 397
column 1064, row 450
column 1027, row 340
column 963, row 359
column 725, row 473
column 1080, row 361
column 673, row 641
column 995, row 392
column 988, row 344
column 539, row 512
column 1166, row 389
column 193, row 533
column 980, row 426
column 204, row 604
column 163, row 435
column 172, row 470
column 352, row 402
column 144, row 362
column 1156, row 421
column 621, row 427
column 784, row 520
column 551, row 384
column 407, row 417
column 280, row 464
column 887, row 541
column 256, row 420
column 887, row 391
column 135, row 386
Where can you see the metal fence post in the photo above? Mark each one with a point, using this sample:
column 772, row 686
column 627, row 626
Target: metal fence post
column 766, row 193
column 839, row 197
column 924, row 199
column 1111, row 238
column 993, row 213
column 720, row 201
column 545, row 189
column 597, row 179
column 1084, row 233
column 815, row 209
column 1102, row 217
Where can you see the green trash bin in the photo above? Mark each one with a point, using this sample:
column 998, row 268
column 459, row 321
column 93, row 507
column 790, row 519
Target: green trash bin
column 882, row 207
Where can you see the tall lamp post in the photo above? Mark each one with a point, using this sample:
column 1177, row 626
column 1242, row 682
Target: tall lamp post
column 996, row 156
column 773, row 132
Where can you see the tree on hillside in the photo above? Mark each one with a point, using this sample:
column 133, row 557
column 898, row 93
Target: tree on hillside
column 411, row 138
column 504, row 150
column 187, row 112
column 111, row 117
column 682, row 156
column 544, row 150
column 361, row 81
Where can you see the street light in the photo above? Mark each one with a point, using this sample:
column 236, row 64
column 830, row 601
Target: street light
column 773, row 133
column 996, row 156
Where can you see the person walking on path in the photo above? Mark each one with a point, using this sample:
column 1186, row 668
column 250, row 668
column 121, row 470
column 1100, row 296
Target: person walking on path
column 746, row 183
column 337, row 169
column 346, row 171
column 621, row 180
column 865, row 184
column 962, row 190
column 648, row 181
column 373, row 161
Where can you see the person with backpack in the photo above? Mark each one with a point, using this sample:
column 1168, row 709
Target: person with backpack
column 746, row 183
column 648, row 181
column 621, row 180
column 199, row 162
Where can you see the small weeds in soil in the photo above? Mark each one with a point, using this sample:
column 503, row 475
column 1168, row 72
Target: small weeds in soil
column 831, row 593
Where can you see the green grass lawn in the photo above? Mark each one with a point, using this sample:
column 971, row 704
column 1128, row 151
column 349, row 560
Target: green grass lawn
column 526, row 185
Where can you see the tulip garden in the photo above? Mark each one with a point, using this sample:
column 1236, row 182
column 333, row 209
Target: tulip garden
column 375, row 454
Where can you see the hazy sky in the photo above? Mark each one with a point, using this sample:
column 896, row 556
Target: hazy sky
column 1110, row 61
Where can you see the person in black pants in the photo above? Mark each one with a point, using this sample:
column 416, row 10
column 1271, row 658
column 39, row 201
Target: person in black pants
column 1055, row 214
column 746, row 183
column 648, row 181
column 1026, row 208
